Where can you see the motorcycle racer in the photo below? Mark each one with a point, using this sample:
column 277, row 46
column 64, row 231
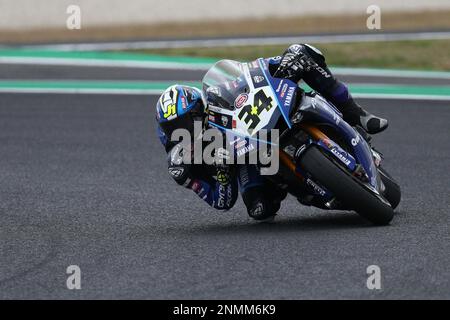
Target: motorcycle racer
column 180, row 106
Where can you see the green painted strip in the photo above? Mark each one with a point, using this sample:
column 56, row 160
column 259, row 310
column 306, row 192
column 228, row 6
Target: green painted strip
column 396, row 89
column 390, row 72
column 409, row 90
column 118, row 56
column 129, row 85
column 148, row 85
column 124, row 56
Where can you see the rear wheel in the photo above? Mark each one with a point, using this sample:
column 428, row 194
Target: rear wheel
column 345, row 187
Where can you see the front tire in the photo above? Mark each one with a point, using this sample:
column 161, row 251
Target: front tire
column 392, row 191
column 345, row 187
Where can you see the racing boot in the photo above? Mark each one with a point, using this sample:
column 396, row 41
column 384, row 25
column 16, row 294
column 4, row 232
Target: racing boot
column 357, row 116
column 261, row 205
column 261, row 212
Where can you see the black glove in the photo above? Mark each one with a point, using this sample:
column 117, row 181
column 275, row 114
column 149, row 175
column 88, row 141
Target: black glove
column 293, row 65
column 290, row 66
column 223, row 170
column 179, row 169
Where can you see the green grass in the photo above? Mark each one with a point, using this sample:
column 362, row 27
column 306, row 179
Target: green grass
column 420, row 54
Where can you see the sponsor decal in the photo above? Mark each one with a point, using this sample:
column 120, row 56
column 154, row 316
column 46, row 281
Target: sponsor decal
column 222, row 178
column 289, row 97
column 295, row 48
column 323, row 72
column 327, row 143
column 279, row 86
column 221, row 200
column 315, row 187
column 245, row 150
column 356, row 140
column 340, row 156
column 211, row 105
column 240, row 144
column 243, row 176
column 176, row 172
column 211, row 118
column 283, row 90
column 229, row 196
column 212, row 108
column 240, row 100
column 235, row 141
column 276, row 59
column 224, row 120
column 250, row 114
column 196, row 186
column 183, row 102
column 213, row 90
column 258, row 79
column 336, row 118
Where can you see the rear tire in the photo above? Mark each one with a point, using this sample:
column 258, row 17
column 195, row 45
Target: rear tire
column 345, row 188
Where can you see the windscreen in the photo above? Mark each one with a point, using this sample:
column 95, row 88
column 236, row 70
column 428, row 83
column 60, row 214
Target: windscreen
column 223, row 83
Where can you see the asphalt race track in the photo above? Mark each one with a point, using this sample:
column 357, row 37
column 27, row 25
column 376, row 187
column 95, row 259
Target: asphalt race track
column 83, row 181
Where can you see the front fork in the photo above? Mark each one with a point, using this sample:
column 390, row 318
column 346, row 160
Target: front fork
column 322, row 141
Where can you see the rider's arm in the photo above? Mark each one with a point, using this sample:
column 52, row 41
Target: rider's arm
column 220, row 192
column 313, row 69
column 221, row 195
column 308, row 63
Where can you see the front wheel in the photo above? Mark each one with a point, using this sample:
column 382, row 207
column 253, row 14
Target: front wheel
column 392, row 191
column 345, row 187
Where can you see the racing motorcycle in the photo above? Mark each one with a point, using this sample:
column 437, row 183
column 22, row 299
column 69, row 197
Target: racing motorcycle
column 323, row 161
